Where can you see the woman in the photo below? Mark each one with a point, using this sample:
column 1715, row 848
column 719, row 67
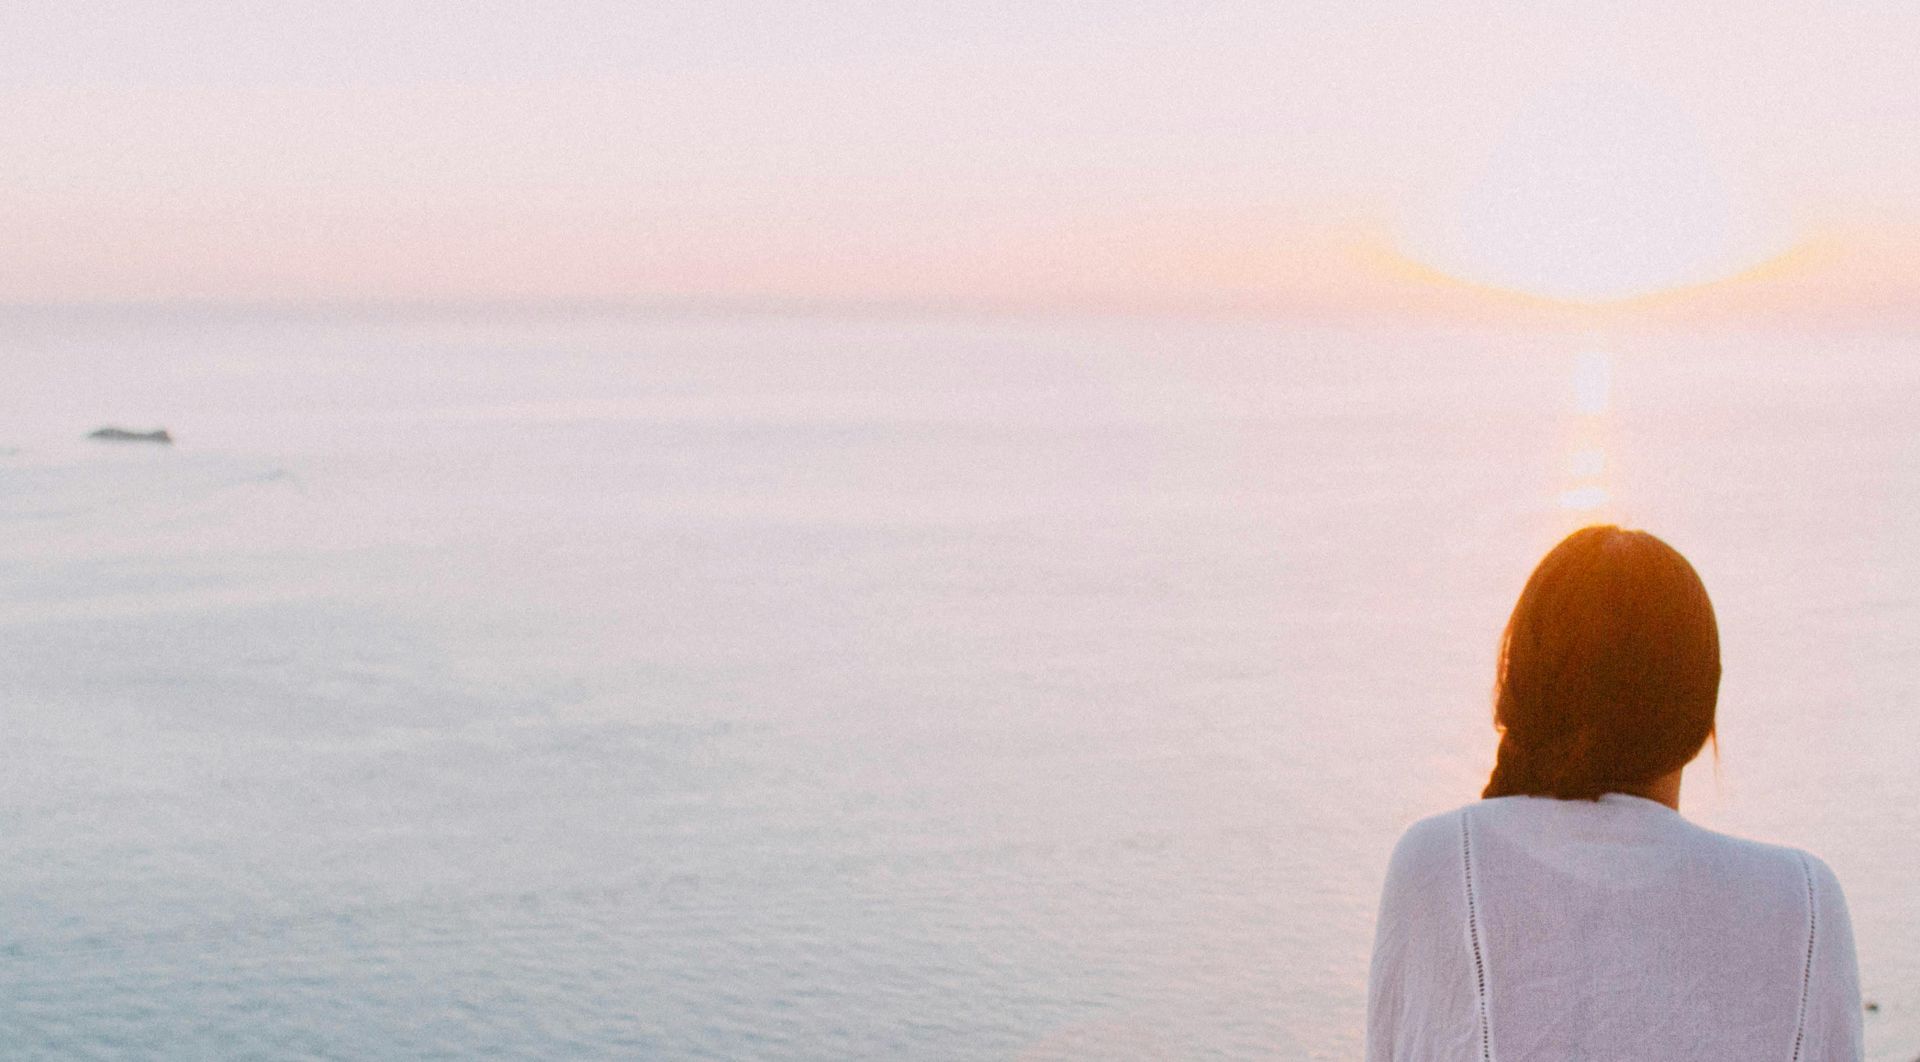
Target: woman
column 1572, row 913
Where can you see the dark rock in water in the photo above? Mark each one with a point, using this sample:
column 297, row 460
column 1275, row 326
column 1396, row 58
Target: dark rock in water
column 157, row 435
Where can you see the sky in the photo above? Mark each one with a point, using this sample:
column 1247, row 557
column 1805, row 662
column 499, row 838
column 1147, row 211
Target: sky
column 1306, row 156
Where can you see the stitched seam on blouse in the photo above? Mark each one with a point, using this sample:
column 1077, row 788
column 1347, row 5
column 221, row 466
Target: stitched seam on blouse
column 1473, row 934
column 1806, row 974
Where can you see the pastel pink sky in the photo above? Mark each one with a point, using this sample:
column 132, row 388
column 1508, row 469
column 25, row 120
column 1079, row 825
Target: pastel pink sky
column 1299, row 156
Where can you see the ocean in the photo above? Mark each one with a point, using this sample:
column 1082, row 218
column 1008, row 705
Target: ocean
column 603, row 684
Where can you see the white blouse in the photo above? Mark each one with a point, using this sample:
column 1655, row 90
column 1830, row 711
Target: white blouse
column 1527, row 929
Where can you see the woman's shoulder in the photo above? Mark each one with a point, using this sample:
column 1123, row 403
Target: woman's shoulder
column 1754, row 858
column 1424, row 888
column 1430, row 846
column 1446, row 840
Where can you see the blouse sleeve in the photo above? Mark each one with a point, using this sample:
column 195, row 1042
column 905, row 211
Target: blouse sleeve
column 1419, row 982
column 1386, row 975
column 1832, row 1029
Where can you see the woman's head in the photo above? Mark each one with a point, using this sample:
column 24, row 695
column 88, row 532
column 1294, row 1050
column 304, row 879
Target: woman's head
column 1609, row 669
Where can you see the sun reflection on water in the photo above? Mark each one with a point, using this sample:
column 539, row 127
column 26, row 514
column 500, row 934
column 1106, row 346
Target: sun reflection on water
column 1592, row 383
column 1586, row 492
column 1584, row 499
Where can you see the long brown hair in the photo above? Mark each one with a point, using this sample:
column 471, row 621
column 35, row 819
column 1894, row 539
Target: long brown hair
column 1609, row 669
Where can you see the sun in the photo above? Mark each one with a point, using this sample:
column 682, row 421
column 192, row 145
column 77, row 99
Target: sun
column 1598, row 192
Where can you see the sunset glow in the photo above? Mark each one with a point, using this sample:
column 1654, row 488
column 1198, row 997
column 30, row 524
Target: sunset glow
column 1597, row 191
column 1170, row 159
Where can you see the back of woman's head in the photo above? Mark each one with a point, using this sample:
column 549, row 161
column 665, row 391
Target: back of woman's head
column 1609, row 669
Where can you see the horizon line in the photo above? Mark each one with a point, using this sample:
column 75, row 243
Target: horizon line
column 1518, row 310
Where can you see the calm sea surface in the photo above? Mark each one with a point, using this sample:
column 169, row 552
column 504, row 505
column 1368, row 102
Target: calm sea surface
column 786, row 688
